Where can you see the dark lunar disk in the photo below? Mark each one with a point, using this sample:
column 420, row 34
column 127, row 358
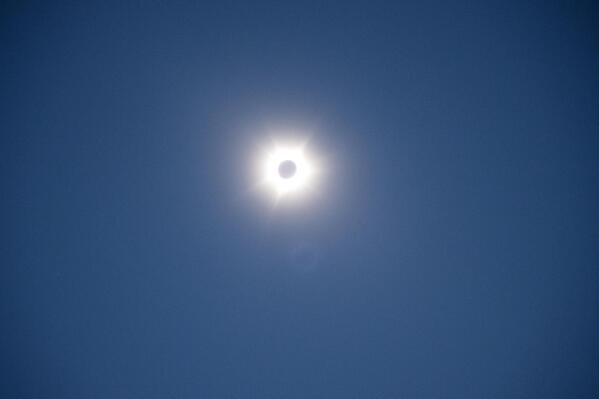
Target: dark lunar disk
column 287, row 169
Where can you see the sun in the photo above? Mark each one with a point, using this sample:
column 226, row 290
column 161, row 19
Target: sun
column 288, row 170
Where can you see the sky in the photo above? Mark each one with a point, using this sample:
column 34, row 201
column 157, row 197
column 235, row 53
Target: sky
column 449, row 250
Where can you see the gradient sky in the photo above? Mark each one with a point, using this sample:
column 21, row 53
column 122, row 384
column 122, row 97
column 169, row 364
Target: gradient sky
column 452, row 250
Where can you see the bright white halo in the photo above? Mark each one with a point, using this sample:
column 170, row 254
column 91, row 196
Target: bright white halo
column 288, row 170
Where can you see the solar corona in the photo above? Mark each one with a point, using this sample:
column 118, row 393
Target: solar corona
column 287, row 170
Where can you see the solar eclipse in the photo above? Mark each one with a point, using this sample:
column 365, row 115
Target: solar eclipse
column 288, row 170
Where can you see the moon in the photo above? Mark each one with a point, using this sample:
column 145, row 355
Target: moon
column 287, row 169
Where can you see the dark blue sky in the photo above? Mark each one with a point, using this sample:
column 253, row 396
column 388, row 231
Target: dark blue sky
column 453, row 251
